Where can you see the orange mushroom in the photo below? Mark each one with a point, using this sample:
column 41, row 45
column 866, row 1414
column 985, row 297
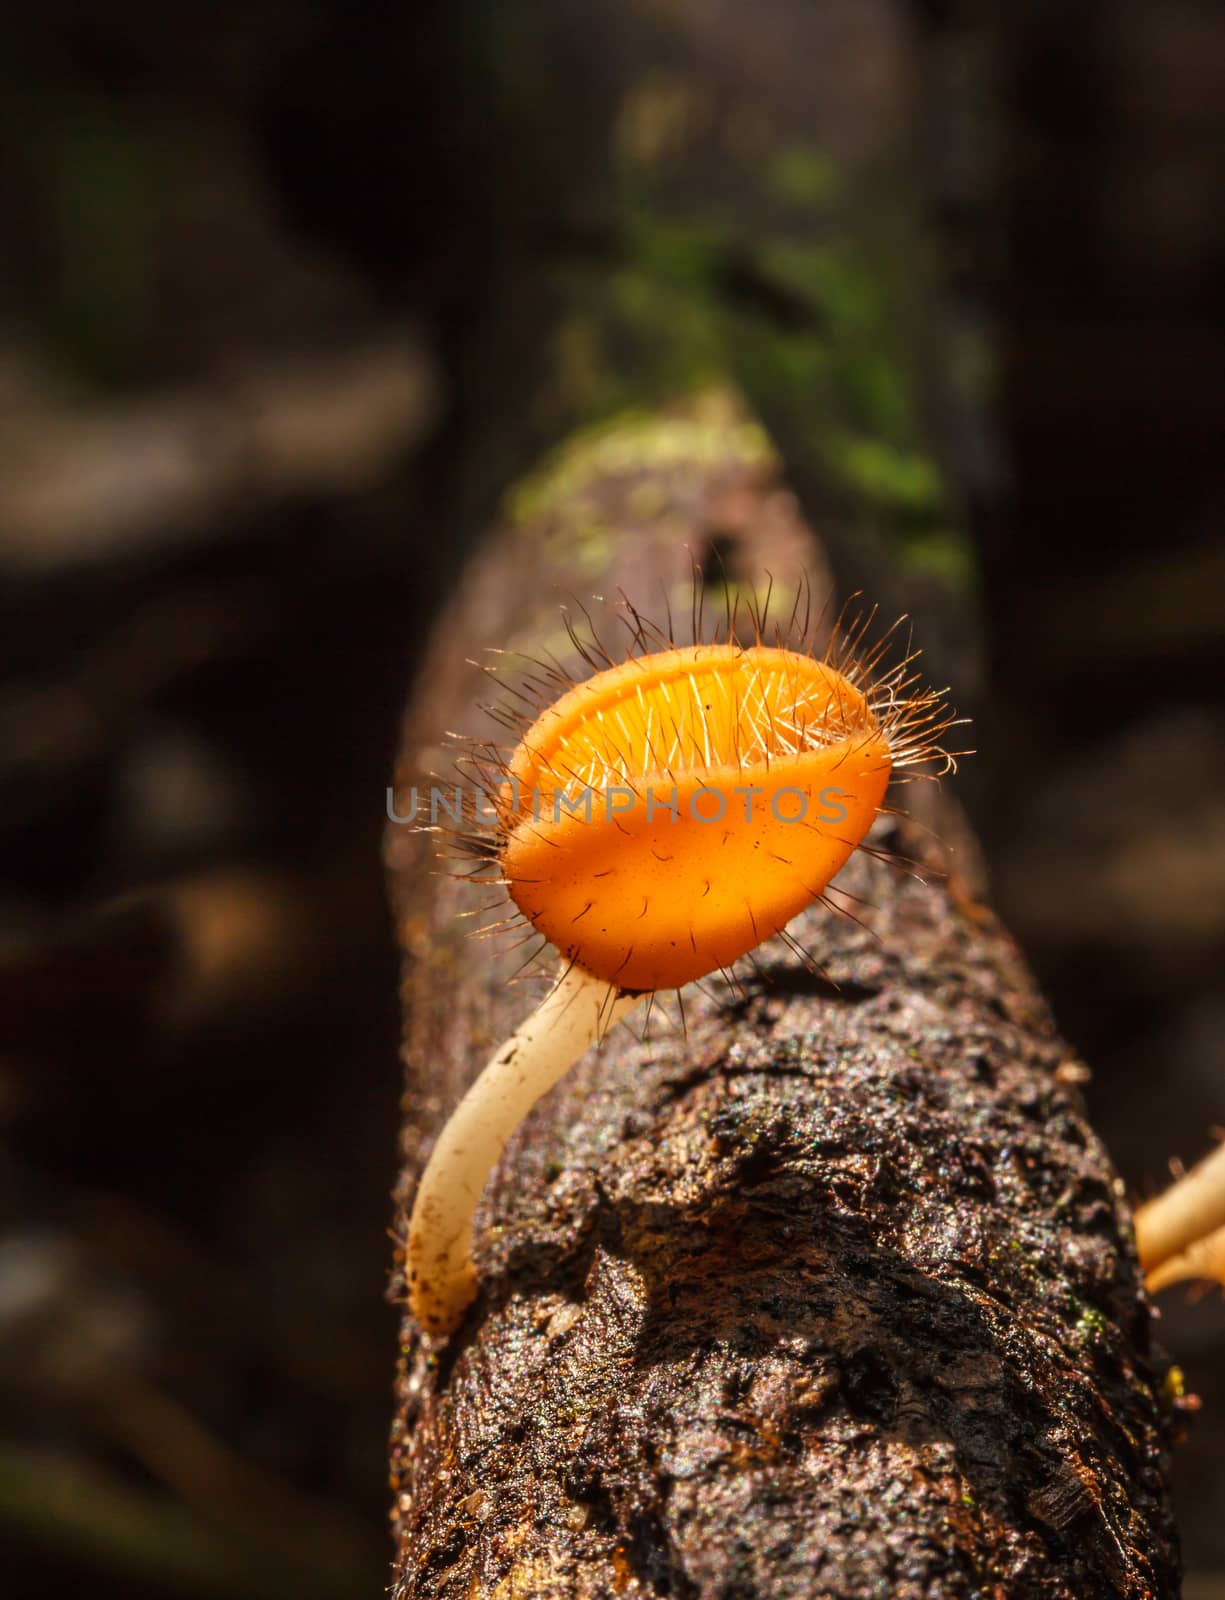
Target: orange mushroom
column 730, row 786
column 656, row 823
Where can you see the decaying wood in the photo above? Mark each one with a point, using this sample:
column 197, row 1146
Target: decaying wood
column 830, row 1292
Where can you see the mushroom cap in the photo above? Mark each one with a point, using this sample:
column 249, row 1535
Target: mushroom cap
column 666, row 816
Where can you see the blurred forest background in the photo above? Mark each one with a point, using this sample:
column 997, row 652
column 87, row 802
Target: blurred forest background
column 296, row 298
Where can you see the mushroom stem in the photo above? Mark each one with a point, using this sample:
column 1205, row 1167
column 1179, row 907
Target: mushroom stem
column 1186, row 1212
column 1204, row 1259
column 577, row 1012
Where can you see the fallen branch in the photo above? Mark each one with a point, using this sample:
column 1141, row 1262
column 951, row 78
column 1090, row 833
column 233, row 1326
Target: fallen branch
column 830, row 1292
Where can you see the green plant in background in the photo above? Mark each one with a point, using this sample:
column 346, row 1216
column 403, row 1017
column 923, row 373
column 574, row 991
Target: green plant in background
column 808, row 310
column 83, row 262
column 101, row 173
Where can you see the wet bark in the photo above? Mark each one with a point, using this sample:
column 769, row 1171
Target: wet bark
column 829, row 1290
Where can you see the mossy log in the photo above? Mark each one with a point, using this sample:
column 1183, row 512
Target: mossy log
column 830, row 1291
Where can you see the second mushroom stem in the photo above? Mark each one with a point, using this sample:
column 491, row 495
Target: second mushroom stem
column 1187, row 1212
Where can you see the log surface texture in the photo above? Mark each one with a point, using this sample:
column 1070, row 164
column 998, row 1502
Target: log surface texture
column 830, row 1293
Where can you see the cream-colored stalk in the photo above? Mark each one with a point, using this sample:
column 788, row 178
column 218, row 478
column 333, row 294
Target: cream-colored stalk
column 1204, row 1260
column 1187, row 1212
column 575, row 1014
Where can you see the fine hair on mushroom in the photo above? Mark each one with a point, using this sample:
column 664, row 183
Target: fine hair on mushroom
column 657, row 814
